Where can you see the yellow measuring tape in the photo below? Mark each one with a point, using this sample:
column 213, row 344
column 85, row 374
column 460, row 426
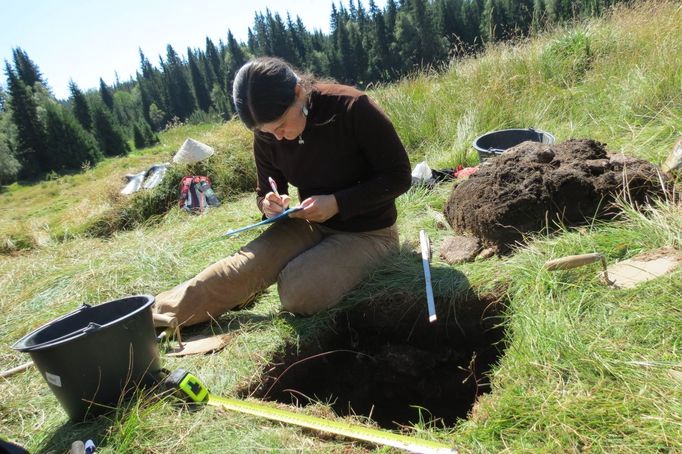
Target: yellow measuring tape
column 193, row 388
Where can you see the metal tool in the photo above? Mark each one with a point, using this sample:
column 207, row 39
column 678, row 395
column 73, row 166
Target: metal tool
column 575, row 261
column 190, row 388
column 426, row 258
column 172, row 328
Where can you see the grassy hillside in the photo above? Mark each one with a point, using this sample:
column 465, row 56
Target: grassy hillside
column 585, row 367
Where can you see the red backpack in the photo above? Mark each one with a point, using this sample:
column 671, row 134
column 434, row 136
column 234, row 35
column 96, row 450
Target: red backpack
column 196, row 194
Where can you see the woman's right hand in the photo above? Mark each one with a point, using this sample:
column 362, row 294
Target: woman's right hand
column 274, row 204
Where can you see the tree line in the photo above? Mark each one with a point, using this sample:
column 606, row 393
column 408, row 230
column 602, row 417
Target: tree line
column 365, row 45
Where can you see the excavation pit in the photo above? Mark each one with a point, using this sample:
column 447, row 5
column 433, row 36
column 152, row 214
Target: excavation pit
column 388, row 363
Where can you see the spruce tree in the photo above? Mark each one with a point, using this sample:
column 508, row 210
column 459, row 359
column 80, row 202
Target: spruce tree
column 379, row 56
column 26, row 69
column 70, row 145
column 9, row 166
column 407, row 42
column 487, row 26
column 181, row 102
column 297, row 36
column 150, row 138
column 213, row 57
column 31, row 141
column 106, row 95
column 471, row 20
column 138, row 137
column 198, row 82
column 344, row 50
column 206, row 70
column 235, row 59
column 109, row 136
column 390, row 18
column 431, row 47
column 79, row 104
column 261, row 39
column 360, row 59
column 538, row 21
column 151, row 92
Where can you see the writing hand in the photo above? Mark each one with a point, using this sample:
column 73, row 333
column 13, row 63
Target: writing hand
column 274, row 204
column 317, row 208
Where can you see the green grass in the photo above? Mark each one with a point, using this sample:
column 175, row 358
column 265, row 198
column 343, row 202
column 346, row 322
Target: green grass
column 587, row 368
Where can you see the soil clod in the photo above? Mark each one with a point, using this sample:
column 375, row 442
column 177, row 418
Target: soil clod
column 460, row 249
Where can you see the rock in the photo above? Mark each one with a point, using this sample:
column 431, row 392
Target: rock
column 460, row 249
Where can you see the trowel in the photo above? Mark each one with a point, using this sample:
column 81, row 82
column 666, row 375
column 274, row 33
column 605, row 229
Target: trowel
column 195, row 345
column 628, row 273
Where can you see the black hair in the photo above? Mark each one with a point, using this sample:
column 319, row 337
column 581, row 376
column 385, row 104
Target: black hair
column 264, row 88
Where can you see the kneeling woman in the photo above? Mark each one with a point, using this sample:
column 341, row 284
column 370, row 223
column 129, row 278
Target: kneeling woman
column 342, row 153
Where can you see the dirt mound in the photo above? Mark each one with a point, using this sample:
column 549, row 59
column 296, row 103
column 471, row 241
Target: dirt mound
column 535, row 186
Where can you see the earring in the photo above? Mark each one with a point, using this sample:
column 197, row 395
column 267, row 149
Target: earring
column 300, row 140
column 304, row 109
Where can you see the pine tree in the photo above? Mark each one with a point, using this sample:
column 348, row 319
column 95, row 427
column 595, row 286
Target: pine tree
column 109, row 136
column 198, row 82
column 407, row 42
column 9, row 166
column 235, row 59
column 180, row 99
column 344, row 51
column 213, row 57
column 487, row 26
column 360, row 60
column 106, row 95
column 31, row 140
column 79, row 104
column 451, row 24
column 280, row 42
column 390, row 19
column 138, row 137
column 431, row 47
column 538, row 21
column 151, row 92
column 298, row 37
column 251, row 42
column 150, row 138
column 70, row 145
column 379, row 58
column 26, row 69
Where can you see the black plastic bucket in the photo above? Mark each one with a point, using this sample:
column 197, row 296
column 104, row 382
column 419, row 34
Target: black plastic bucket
column 495, row 143
column 93, row 357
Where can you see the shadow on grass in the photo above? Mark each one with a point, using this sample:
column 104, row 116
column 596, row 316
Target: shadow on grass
column 61, row 439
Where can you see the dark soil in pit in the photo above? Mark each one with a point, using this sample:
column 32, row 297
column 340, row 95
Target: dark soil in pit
column 386, row 361
column 534, row 186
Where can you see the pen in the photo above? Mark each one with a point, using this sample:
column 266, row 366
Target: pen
column 273, row 185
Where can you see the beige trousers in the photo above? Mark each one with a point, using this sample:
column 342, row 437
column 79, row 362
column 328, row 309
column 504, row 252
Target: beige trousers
column 313, row 265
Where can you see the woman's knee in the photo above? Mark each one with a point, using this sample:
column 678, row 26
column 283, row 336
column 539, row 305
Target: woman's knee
column 300, row 296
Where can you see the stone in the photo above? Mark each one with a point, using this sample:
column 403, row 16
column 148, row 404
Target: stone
column 460, row 249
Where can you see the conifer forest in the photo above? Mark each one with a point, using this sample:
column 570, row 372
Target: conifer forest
column 41, row 135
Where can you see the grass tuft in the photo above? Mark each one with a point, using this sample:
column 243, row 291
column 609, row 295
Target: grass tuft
column 586, row 367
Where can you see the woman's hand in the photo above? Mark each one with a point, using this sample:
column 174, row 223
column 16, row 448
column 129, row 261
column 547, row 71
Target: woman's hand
column 317, row 208
column 274, row 204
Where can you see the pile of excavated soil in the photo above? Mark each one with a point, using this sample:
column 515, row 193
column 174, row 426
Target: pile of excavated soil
column 535, row 186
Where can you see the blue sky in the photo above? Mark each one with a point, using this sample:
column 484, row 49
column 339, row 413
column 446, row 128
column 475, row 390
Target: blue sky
column 86, row 40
